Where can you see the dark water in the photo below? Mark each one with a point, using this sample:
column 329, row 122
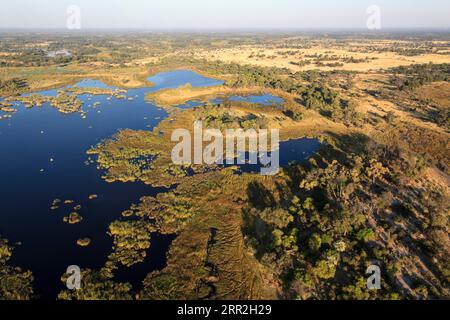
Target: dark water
column 292, row 151
column 43, row 154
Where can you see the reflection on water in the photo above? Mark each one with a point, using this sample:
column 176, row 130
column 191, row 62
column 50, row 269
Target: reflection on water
column 264, row 99
column 292, row 151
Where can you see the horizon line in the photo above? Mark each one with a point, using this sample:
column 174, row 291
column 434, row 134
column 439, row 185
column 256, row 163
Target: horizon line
column 190, row 29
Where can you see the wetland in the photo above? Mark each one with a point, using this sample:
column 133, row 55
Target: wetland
column 44, row 150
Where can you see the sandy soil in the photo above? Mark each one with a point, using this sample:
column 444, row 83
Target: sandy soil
column 439, row 92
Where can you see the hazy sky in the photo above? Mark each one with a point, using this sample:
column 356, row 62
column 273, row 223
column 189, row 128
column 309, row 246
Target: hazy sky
column 207, row 14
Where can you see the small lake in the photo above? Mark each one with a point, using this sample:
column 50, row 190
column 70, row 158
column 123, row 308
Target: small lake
column 44, row 158
column 264, row 99
column 175, row 79
column 290, row 152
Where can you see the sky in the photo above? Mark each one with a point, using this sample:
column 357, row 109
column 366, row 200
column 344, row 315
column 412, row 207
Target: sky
column 224, row 14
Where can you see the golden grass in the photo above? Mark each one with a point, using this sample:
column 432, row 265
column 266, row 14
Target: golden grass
column 41, row 78
column 177, row 96
column 381, row 60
